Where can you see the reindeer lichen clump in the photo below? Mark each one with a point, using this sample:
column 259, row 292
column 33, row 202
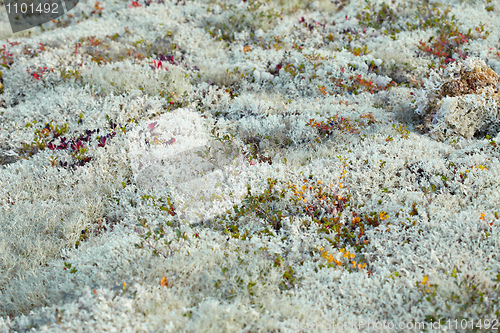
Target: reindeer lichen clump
column 461, row 100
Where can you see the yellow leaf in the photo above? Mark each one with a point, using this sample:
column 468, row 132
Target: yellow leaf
column 353, row 264
column 383, row 215
column 424, row 280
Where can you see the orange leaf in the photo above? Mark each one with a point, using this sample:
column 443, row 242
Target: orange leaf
column 369, row 116
column 246, row 48
column 164, row 282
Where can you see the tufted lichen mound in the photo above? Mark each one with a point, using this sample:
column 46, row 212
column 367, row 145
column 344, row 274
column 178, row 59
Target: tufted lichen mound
column 462, row 100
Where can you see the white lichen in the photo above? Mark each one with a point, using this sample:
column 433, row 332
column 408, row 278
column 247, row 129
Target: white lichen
column 462, row 100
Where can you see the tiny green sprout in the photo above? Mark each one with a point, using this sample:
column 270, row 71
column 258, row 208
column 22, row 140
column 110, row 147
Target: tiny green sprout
column 444, row 178
column 68, row 266
column 53, row 160
column 250, row 286
column 278, row 261
column 60, row 130
column 402, row 130
column 492, row 142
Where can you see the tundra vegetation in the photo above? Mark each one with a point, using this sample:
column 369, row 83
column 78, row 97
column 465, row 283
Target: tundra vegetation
column 227, row 165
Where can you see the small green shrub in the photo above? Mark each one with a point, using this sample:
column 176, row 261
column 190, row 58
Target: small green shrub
column 43, row 136
column 157, row 240
column 327, row 128
column 470, row 307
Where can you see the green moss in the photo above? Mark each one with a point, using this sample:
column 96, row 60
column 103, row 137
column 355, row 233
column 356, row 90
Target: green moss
column 405, row 16
column 233, row 19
